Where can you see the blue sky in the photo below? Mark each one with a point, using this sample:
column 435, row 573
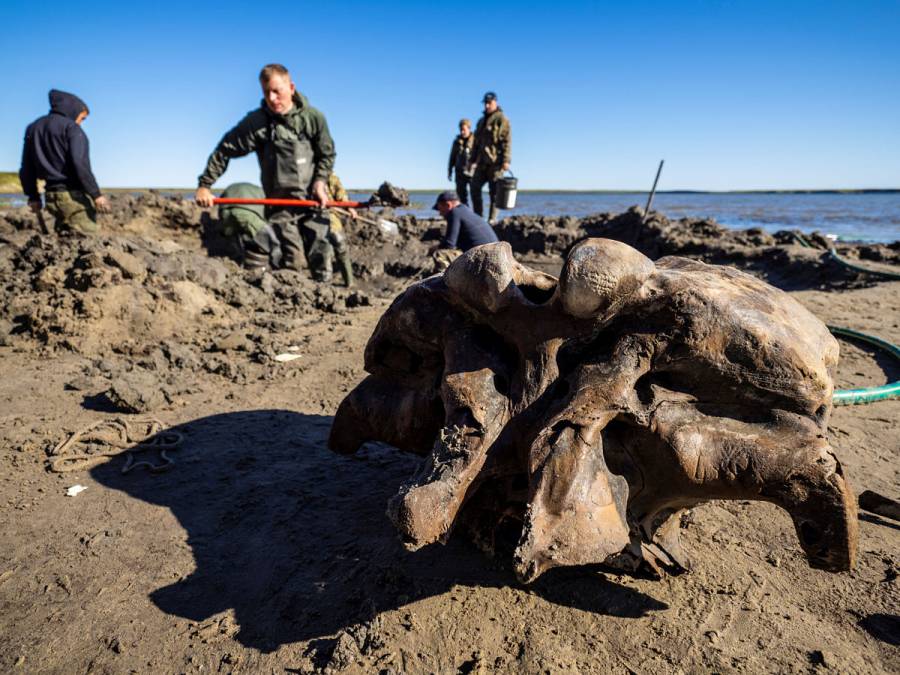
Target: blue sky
column 734, row 95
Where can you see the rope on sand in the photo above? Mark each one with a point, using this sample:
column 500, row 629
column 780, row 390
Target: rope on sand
column 867, row 394
column 120, row 435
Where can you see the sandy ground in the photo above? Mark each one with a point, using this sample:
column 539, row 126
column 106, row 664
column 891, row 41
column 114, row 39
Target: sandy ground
column 261, row 551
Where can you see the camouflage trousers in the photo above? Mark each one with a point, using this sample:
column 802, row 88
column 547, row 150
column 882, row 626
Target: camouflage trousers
column 338, row 241
column 73, row 210
column 443, row 257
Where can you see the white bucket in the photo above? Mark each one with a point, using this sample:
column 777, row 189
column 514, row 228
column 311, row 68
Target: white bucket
column 507, row 188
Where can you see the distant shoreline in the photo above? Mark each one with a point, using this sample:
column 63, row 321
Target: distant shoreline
column 9, row 186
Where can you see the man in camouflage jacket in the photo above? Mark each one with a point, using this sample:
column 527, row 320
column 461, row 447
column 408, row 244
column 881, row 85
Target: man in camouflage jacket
column 491, row 154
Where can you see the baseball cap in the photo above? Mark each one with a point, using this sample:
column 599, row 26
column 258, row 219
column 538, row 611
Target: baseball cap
column 445, row 196
column 490, row 96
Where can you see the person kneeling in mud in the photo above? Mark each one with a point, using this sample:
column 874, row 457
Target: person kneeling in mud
column 336, row 237
column 246, row 225
column 465, row 230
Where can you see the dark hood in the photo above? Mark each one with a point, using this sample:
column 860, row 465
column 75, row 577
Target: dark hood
column 67, row 104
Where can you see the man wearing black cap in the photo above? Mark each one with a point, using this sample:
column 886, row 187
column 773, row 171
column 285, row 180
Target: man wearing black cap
column 465, row 229
column 491, row 153
column 56, row 151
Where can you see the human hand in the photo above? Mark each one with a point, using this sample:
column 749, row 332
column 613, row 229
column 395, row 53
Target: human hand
column 353, row 213
column 506, row 166
column 320, row 194
column 35, row 206
column 102, row 204
column 204, row 197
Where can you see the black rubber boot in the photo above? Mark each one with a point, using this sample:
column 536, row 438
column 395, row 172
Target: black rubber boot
column 255, row 260
column 261, row 250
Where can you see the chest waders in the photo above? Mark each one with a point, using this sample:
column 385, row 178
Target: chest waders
column 288, row 165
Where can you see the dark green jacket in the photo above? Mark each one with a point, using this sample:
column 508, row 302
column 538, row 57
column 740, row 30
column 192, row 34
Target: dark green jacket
column 493, row 141
column 283, row 144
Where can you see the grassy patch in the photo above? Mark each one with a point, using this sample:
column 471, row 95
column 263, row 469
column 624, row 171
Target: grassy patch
column 9, row 182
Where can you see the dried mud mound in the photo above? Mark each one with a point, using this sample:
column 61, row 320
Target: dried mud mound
column 160, row 278
column 148, row 305
column 159, row 270
column 780, row 258
column 109, row 292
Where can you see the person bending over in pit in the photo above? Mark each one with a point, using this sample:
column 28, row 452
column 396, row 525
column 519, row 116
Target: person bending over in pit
column 460, row 158
column 296, row 155
column 56, row 151
column 491, row 154
column 247, row 227
column 465, row 229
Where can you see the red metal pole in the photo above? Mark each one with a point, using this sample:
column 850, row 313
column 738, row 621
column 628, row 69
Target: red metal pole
column 289, row 202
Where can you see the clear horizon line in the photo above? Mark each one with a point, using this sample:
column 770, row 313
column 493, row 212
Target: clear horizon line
column 575, row 190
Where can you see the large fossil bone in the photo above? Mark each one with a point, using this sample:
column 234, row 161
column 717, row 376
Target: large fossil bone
column 590, row 411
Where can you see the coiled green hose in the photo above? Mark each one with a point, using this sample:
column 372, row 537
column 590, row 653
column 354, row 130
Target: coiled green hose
column 868, row 394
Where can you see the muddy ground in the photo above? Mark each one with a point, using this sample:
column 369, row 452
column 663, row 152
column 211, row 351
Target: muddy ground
column 260, row 551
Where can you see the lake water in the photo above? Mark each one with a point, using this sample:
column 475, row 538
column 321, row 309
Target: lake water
column 849, row 216
column 854, row 216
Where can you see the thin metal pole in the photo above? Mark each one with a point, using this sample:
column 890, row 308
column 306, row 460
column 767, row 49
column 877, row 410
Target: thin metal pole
column 652, row 192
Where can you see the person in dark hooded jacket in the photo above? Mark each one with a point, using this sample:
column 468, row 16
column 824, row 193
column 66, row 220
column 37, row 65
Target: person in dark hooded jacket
column 56, row 151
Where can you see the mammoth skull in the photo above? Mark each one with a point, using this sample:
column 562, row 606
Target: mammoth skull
column 591, row 410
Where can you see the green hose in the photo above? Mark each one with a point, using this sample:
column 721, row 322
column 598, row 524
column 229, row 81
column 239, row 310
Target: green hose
column 833, row 254
column 859, row 268
column 802, row 240
column 868, row 394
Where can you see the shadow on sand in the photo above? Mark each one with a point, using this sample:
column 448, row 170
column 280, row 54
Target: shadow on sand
column 295, row 539
column 884, row 627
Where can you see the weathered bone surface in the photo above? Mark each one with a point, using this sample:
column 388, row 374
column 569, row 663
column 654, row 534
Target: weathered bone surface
column 584, row 414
